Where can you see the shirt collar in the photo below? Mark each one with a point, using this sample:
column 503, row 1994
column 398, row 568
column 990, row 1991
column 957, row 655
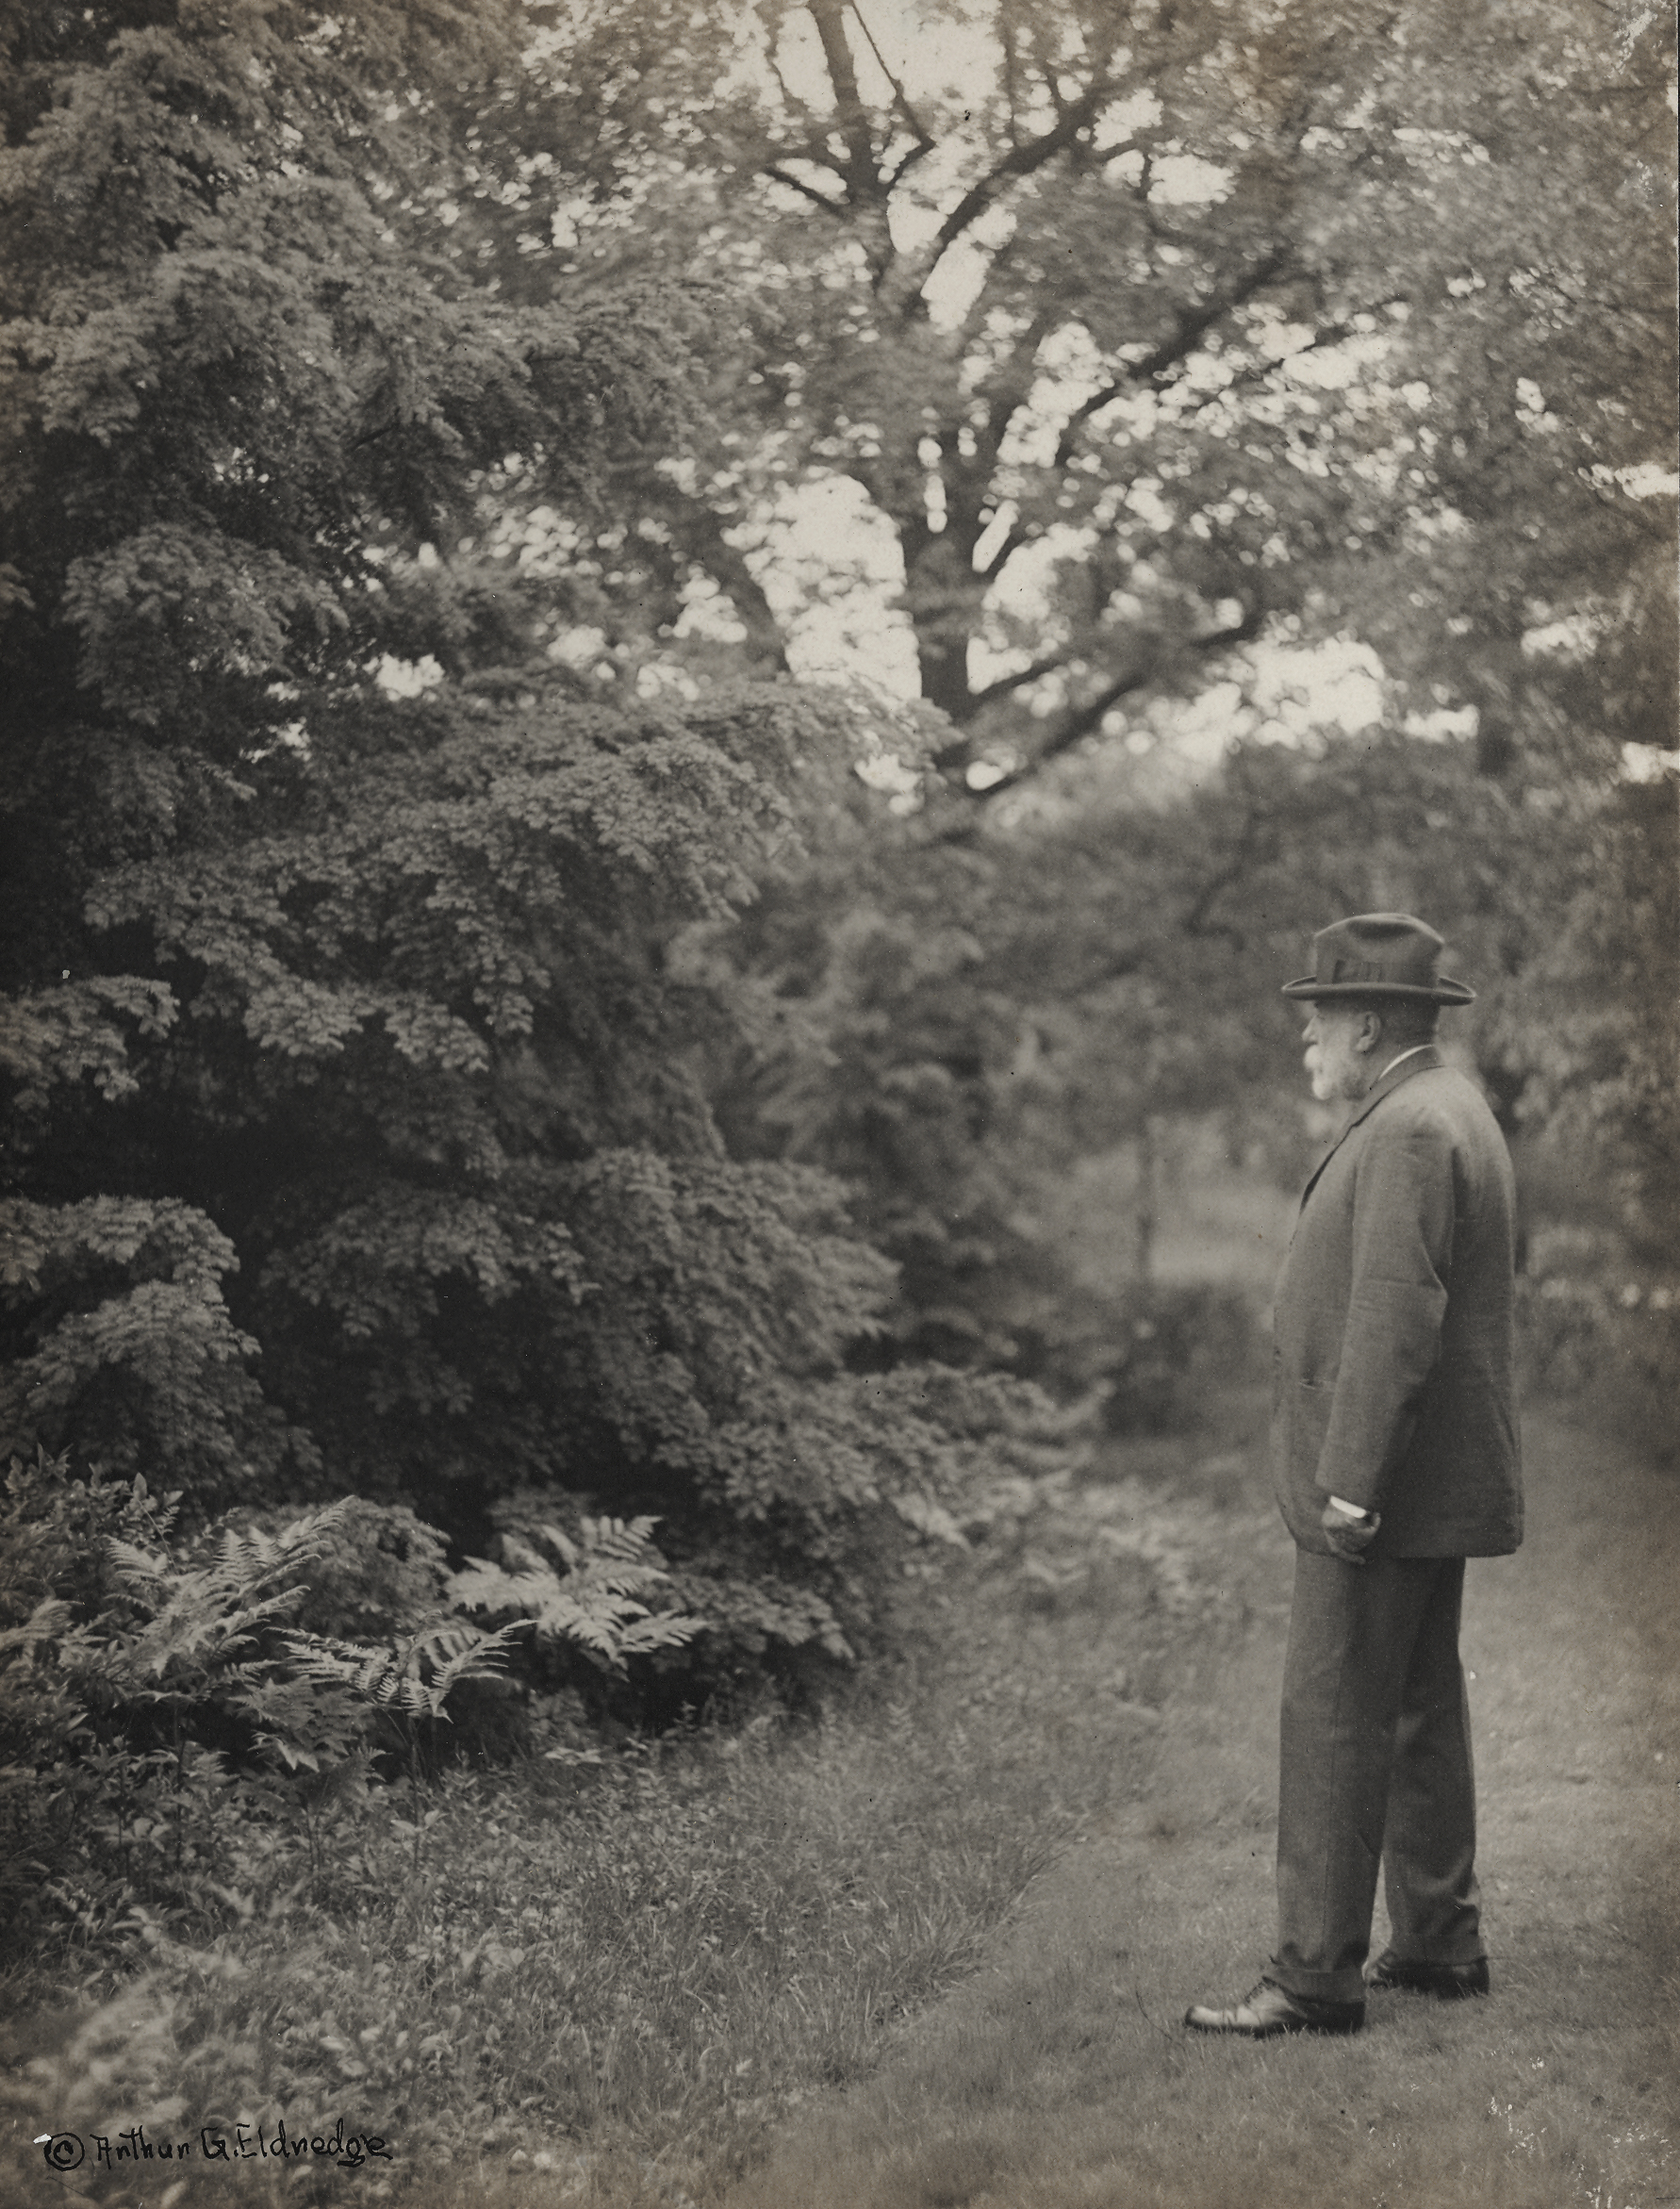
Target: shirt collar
column 1396, row 1060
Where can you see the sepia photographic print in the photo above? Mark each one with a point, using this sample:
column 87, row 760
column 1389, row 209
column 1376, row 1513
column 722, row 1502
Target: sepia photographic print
column 840, row 1050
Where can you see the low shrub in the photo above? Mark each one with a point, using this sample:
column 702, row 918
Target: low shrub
column 1170, row 1346
column 179, row 1711
column 169, row 1722
column 1619, row 1339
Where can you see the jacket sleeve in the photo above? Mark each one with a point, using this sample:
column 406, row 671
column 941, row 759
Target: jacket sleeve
column 1402, row 1254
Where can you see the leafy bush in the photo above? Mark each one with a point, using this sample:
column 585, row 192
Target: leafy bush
column 1174, row 1345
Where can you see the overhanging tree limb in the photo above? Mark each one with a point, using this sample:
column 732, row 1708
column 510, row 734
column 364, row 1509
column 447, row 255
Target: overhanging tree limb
column 1083, row 720
column 777, row 174
column 1192, row 326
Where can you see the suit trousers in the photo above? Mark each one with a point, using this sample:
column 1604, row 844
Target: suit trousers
column 1375, row 1768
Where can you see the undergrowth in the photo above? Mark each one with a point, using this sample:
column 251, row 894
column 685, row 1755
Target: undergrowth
column 650, row 1957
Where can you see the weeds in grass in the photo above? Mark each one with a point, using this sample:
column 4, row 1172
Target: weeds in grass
column 676, row 1952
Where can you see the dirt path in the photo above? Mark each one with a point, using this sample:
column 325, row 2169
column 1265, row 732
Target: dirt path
column 1060, row 2075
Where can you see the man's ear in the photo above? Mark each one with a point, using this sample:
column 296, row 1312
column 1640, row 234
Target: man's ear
column 1369, row 1033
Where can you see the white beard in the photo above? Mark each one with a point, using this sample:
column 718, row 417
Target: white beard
column 1335, row 1080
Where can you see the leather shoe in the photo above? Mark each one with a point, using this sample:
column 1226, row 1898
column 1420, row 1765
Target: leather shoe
column 1449, row 1982
column 1268, row 2011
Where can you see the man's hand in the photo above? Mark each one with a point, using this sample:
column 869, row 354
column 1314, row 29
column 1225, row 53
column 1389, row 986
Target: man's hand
column 1349, row 1531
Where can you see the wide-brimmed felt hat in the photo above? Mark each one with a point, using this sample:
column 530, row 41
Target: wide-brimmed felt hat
column 1380, row 955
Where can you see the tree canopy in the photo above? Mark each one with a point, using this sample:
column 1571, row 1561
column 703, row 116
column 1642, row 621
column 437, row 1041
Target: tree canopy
column 1144, row 338
column 1140, row 332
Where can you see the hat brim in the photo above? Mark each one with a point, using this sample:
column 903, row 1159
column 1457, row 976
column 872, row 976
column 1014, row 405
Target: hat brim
column 1444, row 992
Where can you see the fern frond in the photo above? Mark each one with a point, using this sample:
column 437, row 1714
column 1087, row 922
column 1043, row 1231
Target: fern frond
column 138, row 1569
column 481, row 1660
column 659, row 1630
column 414, row 1674
column 190, row 1625
column 47, row 1622
column 619, row 1540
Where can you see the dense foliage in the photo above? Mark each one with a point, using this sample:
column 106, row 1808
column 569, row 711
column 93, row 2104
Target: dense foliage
column 1126, row 340
column 359, row 1145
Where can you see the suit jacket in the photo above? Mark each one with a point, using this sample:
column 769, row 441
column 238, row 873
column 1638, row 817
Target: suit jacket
column 1392, row 1365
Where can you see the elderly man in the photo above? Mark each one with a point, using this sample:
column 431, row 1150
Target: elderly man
column 1394, row 1453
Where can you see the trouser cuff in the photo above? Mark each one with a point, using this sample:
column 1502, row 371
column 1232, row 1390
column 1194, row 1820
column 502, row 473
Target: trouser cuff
column 1337, row 1987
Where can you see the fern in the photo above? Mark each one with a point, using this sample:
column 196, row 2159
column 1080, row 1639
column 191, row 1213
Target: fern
column 408, row 1680
column 193, row 1624
column 588, row 1593
column 131, row 1665
column 412, row 1676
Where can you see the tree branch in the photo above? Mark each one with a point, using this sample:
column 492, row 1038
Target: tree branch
column 1192, row 326
column 1332, row 334
column 786, row 91
column 1083, row 720
column 780, row 176
column 1005, row 684
column 1074, row 728
column 1020, row 161
column 1011, row 381
column 700, row 534
column 917, row 153
column 901, row 97
column 1014, row 537
column 1242, row 632
column 852, row 117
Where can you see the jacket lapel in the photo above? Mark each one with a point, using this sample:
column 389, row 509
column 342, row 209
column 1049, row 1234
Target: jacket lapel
column 1418, row 1062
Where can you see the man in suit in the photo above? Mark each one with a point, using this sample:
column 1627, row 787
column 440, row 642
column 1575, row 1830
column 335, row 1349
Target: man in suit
column 1394, row 1453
